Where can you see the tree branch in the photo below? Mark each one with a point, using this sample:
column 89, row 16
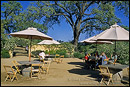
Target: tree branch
column 89, row 5
column 87, row 25
column 70, row 15
column 62, row 7
column 88, row 19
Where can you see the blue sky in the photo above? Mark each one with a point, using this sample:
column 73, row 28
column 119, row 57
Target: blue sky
column 64, row 32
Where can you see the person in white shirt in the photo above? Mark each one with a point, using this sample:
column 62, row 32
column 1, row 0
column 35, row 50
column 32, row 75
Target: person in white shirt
column 42, row 54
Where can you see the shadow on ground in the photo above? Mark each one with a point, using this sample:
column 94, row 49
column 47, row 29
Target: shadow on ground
column 82, row 70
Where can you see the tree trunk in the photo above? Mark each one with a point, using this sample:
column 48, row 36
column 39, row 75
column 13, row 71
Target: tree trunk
column 76, row 37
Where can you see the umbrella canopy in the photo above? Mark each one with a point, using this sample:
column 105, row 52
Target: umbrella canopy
column 31, row 33
column 48, row 42
column 115, row 33
column 97, row 42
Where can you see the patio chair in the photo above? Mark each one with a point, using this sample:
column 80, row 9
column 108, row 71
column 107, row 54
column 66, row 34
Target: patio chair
column 40, row 58
column 45, row 67
column 56, row 58
column 126, row 77
column 59, row 60
column 35, row 70
column 114, row 61
column 105, row 73
column 17, row 66
column 11, row 73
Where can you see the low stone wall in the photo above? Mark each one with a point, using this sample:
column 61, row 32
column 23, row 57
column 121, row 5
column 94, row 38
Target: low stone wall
column 45, row 47
column 49, row 47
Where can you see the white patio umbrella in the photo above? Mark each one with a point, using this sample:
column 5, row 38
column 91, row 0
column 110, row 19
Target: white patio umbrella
column 31, row 33
column 95, row 42
column 48, row 42
column 115, row 33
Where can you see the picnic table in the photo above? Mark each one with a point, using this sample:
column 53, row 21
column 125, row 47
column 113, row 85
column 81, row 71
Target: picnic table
column 116, row 70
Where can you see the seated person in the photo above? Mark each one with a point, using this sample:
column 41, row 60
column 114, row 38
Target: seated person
column 113, row 58
column 42, row 54
column 107, row 59
column 86, row 58
column 103, row 56
column 92, row 61
column 96, row 55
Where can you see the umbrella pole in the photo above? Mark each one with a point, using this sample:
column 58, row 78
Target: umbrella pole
column 96, row 45
column 30, row 50
column 115, row 46
column 115, row 52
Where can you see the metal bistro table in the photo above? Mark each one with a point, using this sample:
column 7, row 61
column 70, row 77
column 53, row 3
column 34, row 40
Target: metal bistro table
column 26, row 71
column 116, row 70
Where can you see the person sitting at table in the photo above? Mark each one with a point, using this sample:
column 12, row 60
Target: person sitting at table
column 92, row 61
column 103, row 56
column 96, row 55
column 42, row 54
column 113, row 57
column 86, row 59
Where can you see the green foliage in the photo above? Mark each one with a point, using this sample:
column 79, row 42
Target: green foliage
column 11, row 11
column 123, row 6
column 53, row 52
column 61, row 52
column 22, row 42
column 5, row 53
column 10, row 44
column 123, row 52
column 78, row 55
column 46, row 52
column 68, row 46
column 36, row 53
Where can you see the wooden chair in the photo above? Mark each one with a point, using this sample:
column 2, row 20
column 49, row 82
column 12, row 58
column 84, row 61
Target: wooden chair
column 56, row 58
column 17, row 65
column 40, row 58
column 59, row 60
column 114, row 61
column 126, row 77
column 36, row 71
column 105, row 73
column 11, row 73
column 128, row 71
column 45, row 67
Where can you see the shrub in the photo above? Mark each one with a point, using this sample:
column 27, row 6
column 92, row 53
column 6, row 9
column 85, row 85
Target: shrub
column 61, row 52
column 78, row 55
column 5, row 54
column 53, row 52
column 36, row 53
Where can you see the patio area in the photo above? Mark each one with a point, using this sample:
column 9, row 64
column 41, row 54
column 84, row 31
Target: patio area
column 70, row 72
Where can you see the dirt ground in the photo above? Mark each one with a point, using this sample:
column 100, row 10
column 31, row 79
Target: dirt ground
column 70, row 72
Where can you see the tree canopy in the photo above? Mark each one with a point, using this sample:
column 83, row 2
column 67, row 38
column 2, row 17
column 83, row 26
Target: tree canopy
column 82, row 16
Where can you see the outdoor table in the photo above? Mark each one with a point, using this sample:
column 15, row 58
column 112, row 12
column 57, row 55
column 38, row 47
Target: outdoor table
column 26, row 71
column 28, row 63
column 116, row 70
column 49, row 57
